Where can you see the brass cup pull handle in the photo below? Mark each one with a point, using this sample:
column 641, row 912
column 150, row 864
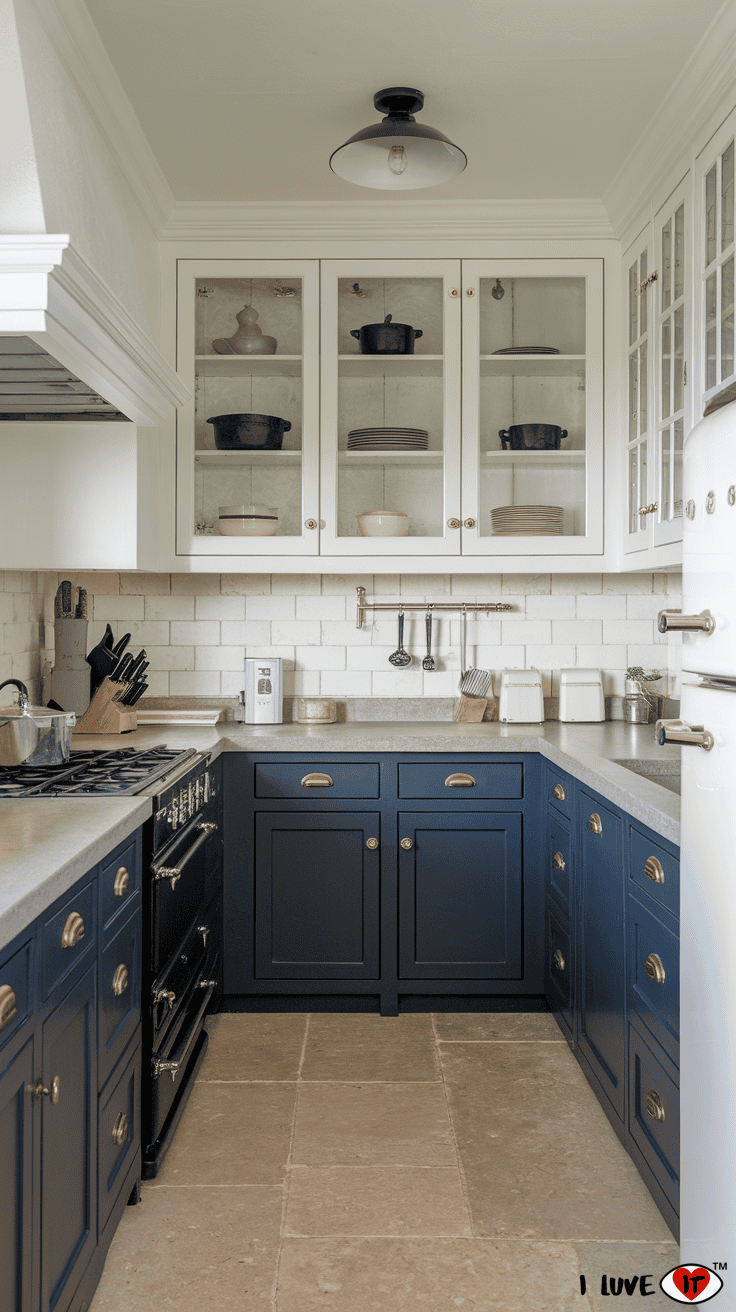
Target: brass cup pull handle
column 653, row 870
column 594, row 824
column 371, row 844
column 654, row 968
column 120, row 980
column 459, row 781
column 558, row 961
column 407, row 844
column 317, row 781
column 558, row 792
column 8, row 1005
column 122, row 882
column 39, row 1090
column 558, row 861
column 120, row 1130
column 73, row 930
column 655, row 1106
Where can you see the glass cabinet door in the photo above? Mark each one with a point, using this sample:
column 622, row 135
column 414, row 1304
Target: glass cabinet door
column 390, row 407
column 718, row 268
column 532, row 407
column 671, row 293
column 638, row 298
column 248, row 442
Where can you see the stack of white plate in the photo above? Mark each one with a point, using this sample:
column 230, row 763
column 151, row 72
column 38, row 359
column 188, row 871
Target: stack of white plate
column 388, row 439
column 527, row 521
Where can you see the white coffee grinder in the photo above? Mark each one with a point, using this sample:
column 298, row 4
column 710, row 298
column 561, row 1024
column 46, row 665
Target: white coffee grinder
column 264, row 690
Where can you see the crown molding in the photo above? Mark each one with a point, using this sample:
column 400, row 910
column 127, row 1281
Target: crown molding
column 51, row 294
column 78, row 43
column 686, row 117
column 365, row 221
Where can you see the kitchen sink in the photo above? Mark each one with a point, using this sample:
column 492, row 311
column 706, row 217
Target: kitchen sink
column 666, row 773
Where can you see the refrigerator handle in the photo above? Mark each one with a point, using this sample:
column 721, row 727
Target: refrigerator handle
column 673, row 621
column 688, row 735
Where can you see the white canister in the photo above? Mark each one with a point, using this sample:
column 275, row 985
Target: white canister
column 264, row 690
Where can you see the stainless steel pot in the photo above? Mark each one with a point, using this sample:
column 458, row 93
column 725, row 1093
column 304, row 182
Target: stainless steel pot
column 33, row 735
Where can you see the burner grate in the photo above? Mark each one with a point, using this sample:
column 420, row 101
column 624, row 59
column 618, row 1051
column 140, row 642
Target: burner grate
column 121, row 770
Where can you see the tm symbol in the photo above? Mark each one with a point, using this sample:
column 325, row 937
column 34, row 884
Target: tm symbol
column 720, row 1266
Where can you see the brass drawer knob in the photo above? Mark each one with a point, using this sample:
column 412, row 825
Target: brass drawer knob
column 459, row 781
column 654, row 968
column 558, row 862
column 407, row 844
column 39, row 1090
column 122, row 882
column 594, row 824
column 120, row 981
column 73, row 930
column 120, row 1130
column 8, row 1005
column 317, row 781
column 558, row 792
column 655, row 1106
column 558, row 961
column 453, row 523
column 310, row 523
column 371, row 844
column 653, row 870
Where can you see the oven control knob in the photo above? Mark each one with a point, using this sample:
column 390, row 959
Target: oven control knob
column 183, row 808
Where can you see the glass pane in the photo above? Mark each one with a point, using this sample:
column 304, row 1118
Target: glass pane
column 518, row 313
column 679, row 254
column 710, row 217
column 248, row 369
column 666, row 367
column 633, row 490
column 727, row 318
column 679, row 399
column 390, row 407
column 643, row 298
column 633, row 394
column 727, row 197
column 643, row 489
column 633, row 305
column 665, row 491
column 666, row 275
column 679, row 427
column 643, row 416
column 710, row 332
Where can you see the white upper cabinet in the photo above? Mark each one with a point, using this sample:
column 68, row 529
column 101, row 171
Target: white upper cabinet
column 715, row 255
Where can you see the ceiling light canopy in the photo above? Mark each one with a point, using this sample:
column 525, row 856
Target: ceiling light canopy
column 398, row 154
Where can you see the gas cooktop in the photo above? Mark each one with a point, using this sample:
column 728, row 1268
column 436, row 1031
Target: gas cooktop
column 122, row 770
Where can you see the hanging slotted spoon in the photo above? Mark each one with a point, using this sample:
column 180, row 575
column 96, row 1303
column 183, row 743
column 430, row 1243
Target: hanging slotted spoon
column 473, row 683
column 428, row 662
column 400, row 657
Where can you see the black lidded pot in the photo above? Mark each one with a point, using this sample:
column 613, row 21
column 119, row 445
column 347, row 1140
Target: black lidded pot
column 386, row 338
column 249, row 432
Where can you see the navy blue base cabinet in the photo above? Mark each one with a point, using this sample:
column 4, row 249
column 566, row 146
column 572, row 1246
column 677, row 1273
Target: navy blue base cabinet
column 393, row 878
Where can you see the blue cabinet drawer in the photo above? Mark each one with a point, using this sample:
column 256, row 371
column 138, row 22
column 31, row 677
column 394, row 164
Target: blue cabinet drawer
column 119, row 994
column 559, row 862
column 654, row 977
column 558, row 971
column 69, row 937
column 560, row 790
column 455, row 781
column 654, row 870
column 16, row 992
column 317, row 783
column 120, row 880
column 654, row 1115
column 118, row 1129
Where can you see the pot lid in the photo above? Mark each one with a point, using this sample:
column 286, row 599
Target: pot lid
column 22, row 710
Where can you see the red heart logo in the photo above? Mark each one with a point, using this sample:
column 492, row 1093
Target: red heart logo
column 691, row 1283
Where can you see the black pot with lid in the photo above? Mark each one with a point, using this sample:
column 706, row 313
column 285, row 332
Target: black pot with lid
column 386, row 338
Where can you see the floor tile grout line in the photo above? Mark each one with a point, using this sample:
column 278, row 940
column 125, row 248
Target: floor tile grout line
column 287, row 1181
column 459, row 1041
column 460, row 1168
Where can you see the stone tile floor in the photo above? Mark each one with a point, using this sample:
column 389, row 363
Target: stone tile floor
column 369, row 1164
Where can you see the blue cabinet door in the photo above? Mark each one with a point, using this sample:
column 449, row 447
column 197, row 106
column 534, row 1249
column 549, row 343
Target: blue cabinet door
column 317, row 895
column 460, row 895
column 16, row 1179
column 601, row 948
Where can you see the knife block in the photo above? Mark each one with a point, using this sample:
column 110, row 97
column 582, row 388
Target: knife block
column 105, row 715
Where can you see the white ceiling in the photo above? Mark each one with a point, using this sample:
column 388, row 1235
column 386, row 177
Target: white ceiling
column 246, row 99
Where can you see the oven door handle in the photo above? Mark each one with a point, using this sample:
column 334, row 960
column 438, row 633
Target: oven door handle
column 175, row 872
column 173, row 1067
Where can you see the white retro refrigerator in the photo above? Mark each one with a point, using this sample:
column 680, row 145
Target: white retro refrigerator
column 708, row 849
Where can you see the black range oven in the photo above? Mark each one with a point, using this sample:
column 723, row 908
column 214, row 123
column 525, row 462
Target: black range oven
column 182, row 907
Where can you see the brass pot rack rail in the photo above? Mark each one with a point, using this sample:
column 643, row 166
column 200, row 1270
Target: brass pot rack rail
column 397, row 606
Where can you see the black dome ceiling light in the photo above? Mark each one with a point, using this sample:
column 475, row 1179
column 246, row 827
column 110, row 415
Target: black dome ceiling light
column 398, row 154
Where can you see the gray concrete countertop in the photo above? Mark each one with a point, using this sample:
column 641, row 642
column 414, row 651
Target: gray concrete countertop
column 47, row 844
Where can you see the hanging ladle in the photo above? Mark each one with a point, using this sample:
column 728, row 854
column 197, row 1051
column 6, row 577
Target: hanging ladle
column 400, row 657
column 428, row 662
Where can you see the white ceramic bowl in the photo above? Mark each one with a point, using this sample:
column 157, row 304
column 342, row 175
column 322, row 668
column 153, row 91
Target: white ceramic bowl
column 383, row 524
column 248, row 521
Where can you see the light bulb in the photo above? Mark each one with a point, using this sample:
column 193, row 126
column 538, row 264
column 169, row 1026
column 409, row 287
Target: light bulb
column 397, row 160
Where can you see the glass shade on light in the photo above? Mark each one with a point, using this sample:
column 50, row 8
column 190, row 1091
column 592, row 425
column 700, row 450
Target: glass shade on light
column 374, row 157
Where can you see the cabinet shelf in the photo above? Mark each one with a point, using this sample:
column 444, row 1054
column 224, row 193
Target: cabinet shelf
column 414, row 366
column 225, row 459
column 535, row 459
column 423, row 458
column 532, row 366
column 260, row 366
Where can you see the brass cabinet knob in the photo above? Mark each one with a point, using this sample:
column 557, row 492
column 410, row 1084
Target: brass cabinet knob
column 39, row 1090
column 558, row 960
column 654, row 968
column 454, row 291
column 122, row 882
column 120, row 1130
column 647, row 510
column 594, row 824
column 558, row 792
column 468, row 523
column 407, row 844
column 655, row 1106
column 558, row 861
column 459, row 781
column 371, row 844
column 310, row 523
column 317, row 781
column 453, row 523
column 73, row 930
column 8, row 1005
column 120, row 981
column 653, row 870
column 470, row 291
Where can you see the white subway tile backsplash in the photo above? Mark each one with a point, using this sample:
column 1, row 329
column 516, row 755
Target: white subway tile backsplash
column 302, row 683
column 295, row 585
column 220, row 608
column 270, row 608
column 195, row 585
column 574, row 585
column 110, row 608
column 529, row 584
column 154, row 633
column 344, row 633
column 323, row 658
column 347, row 683
column 425, row 587
column 639, row 631
column 218, row 658
column 202, row 633
column 170, row 658
column 7, row 606
column 567, row 631
column 651, row 657
column 553, row 657
column 245, row 633
column 601, row 608
column 517, row 631
column 158, row 683
column 145, row 585
column 599, row 657
column 320, row 608
column 344, row 585
column 164, row 607
column 397, row 683
column 627, row 583
column 246, row 585
column 194, row 683
column 640, row 606
column 550, row 608
column 477, row 587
